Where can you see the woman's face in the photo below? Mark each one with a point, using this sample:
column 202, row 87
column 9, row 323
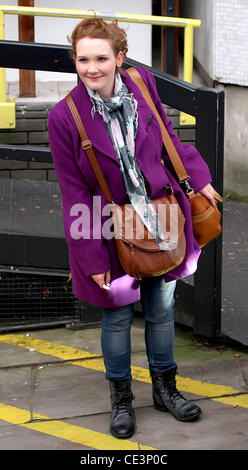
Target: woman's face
column 96, row 64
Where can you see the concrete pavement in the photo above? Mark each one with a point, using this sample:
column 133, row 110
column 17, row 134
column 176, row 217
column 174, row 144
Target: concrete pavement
column 54, row 395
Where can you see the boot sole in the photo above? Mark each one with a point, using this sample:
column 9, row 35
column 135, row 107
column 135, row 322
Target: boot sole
column 166, row 410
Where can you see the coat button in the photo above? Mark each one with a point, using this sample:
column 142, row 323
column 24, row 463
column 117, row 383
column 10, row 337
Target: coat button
column 149, row 120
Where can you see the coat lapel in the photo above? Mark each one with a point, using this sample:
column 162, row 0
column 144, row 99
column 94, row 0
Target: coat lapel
column 95, row 128
column 144, row 110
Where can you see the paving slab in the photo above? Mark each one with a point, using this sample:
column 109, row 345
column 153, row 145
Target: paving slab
column 14, row 437
column 88, row 338
column 209, row 365
column 87, row 392
column 15, row 387
column 67, row 390
column 13, row 355
column 214, row 430
column 218, row 428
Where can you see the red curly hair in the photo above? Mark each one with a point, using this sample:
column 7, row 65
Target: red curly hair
column 97, row 28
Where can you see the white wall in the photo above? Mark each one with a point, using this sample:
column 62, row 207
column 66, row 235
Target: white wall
column 56, row 30
column 221, row 44
column 231, row 20
column 205, row 35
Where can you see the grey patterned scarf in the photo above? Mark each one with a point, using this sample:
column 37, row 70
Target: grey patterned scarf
column 121, row 120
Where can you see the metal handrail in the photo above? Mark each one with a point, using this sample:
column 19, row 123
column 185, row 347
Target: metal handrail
column 7, row 117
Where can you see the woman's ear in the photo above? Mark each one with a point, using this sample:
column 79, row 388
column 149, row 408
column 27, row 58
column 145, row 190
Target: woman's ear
column 119, row 59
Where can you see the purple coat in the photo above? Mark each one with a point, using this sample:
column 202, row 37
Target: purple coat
column 78, row 184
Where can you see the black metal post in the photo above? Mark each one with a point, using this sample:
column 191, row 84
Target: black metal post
column 36, row 251
column 207, row 280
column 170, row 39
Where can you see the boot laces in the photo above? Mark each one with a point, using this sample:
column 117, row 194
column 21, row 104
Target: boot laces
column 123, row 401
column 170, row 389
column 173, row 392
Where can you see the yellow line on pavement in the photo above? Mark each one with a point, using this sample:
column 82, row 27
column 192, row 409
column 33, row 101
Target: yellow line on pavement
column 184, row 384
column 45, row 347
column 70, row 432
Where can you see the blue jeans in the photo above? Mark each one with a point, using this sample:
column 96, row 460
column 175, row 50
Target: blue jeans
column 157, row 298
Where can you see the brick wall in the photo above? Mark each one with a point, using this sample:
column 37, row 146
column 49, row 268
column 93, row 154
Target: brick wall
column 185, row 133
column 31, row 129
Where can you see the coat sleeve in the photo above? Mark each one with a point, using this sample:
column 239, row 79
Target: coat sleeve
column 195, row 165
column 91, row 252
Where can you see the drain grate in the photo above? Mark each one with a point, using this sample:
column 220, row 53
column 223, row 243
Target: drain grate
column 36, row 299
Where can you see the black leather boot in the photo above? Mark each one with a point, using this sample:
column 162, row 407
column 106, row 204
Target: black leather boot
column 122, row 423
column 166, row 397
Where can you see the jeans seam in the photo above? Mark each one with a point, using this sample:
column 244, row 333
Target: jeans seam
column 149, row 346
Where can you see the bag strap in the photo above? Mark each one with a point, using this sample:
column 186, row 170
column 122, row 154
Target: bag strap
column 170, row 147
column 87, row 146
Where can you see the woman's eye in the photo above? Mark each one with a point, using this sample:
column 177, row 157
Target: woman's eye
column 83, row 60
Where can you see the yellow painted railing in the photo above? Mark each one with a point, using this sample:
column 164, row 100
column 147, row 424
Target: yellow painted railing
column 7, row 109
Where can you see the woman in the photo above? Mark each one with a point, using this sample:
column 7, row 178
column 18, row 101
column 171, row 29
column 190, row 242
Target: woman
column 123, row 131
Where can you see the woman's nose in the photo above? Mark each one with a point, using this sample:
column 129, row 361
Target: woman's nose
column 92, row 67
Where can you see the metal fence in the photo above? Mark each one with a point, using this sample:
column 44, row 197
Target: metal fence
column 198, row 298
column 188, row 24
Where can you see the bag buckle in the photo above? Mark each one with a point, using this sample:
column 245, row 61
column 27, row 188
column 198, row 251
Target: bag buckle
column 168, row 188
column 188, row 189
column 86, row 144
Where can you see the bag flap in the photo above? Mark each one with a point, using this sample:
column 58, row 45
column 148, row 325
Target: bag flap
column 129, row 227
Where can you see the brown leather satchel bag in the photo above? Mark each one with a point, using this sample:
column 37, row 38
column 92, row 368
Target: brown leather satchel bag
column 138, row 252
column 205, row 217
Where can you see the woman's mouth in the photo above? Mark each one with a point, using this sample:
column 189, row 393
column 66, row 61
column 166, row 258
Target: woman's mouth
column 95, row 78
